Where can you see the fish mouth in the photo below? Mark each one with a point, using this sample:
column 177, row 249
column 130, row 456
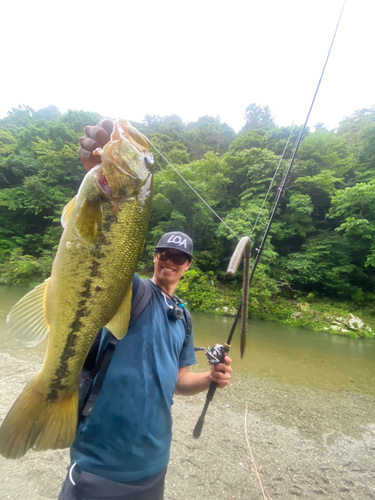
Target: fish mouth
column 138, row 140
column 126, row 160
column 124, row 131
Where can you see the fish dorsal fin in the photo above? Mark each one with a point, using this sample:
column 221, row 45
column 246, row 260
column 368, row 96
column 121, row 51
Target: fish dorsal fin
column 27, row 319
column 118, row 325
column 67, row 211
column 89, row 220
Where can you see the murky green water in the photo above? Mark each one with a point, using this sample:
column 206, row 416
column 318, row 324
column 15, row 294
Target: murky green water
column 291, row 355
column 294, row 355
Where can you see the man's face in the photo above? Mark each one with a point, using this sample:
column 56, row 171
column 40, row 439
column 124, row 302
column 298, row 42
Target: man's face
column 168, row 273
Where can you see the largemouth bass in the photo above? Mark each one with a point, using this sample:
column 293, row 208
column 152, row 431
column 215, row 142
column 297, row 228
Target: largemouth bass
column 90, row 287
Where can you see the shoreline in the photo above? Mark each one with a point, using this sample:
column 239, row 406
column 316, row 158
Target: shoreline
column 306, row 443
column 335, row 318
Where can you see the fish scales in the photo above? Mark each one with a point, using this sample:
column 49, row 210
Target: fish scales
column 113, row 271
column 90, row 287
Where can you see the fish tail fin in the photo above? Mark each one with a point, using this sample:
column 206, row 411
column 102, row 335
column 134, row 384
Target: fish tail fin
column 35, row 423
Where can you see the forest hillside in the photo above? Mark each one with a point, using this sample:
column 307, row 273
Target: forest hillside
column 321, row 247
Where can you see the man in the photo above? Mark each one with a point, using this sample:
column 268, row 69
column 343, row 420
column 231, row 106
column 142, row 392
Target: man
column 122, row 450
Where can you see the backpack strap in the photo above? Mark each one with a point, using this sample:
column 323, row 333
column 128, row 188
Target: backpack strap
column 141, row 299
column 188, row 319
column 189, row 326
column 99, row 371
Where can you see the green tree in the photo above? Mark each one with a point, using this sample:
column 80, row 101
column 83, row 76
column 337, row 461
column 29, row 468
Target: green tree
column 324, row 266
column 258, row 117
column 355, row 207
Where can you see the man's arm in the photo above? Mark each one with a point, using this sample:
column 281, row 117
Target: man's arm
column 189, row 383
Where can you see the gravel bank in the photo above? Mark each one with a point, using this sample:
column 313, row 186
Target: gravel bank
column 306, row 443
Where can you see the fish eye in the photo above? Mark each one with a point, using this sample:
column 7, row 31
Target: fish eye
column 149, row 159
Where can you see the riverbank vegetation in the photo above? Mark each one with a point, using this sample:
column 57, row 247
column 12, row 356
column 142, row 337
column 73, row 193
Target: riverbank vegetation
column 318, row 264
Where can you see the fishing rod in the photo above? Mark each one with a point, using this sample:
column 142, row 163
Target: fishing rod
column 217, row 354
column 220, row 352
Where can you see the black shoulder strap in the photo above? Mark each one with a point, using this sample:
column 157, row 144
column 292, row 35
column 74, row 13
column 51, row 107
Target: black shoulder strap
column 189, row 326
column 188, row 319
column 102, row 364
column 141, row 299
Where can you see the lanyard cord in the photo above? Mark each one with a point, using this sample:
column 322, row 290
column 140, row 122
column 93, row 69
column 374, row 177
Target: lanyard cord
column 165, row 294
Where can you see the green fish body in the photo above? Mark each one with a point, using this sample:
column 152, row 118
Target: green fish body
column 90, row 287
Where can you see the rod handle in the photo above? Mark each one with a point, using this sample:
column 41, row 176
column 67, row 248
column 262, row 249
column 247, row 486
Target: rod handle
column 210, row 394
column 198, row 427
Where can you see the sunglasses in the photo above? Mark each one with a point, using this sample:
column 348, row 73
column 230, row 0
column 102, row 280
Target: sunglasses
column 177, row 259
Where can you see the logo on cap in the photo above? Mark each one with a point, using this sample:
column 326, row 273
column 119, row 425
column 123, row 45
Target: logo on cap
column 178, row 240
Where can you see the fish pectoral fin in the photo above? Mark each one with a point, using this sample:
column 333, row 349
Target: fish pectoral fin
column 27, row 319
column 89, row 220
column 67, row 211
column 118, row 325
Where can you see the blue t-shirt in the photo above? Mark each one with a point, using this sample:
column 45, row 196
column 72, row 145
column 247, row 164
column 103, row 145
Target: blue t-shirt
column 128, row 434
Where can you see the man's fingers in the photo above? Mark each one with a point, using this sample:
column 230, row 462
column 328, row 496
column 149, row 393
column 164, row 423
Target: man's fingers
column 223, row 368
column 98, row 134
column 221, row 375
column 220, row 378
column 107, row 124
column 85, row 151
column 90, row 160
column 89, row 144
column 95, row 137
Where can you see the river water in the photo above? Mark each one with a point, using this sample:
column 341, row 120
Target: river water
column 291, row 355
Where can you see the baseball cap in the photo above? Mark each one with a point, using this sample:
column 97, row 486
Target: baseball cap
column 178, row 241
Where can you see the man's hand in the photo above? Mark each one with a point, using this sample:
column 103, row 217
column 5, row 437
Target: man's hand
column 190, row 383
column 95, row 137
column 217, row 375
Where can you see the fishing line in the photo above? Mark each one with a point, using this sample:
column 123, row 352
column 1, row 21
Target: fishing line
column 275, row 201
column 273, row 180
column 194, row 191
column 295, row 145
column 286, row 175
column 298, row 141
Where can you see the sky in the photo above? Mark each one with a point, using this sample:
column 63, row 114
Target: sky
column 131, row 58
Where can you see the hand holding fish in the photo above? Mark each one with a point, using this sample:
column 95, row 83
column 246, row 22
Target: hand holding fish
column 221, row 373
column 95, row 137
